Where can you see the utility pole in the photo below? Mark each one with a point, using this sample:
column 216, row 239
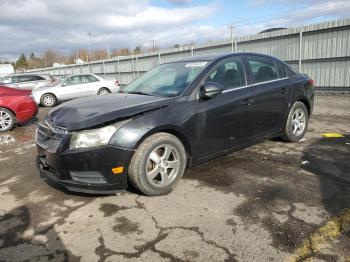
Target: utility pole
column 109, row 54
column 153, row 45
column 89, row 53
column 232, row 27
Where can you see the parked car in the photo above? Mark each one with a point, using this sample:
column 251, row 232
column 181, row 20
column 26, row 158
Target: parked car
column 26, row 81
column 16, row 106
column 72, row 87
column 176, row 115
column 6, row 69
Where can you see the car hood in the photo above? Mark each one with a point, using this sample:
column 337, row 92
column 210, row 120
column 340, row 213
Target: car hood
column 89, row 112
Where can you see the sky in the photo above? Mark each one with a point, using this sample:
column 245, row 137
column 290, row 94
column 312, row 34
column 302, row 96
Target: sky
column 36, row 25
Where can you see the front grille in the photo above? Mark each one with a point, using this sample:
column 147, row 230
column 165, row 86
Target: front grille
column 47, row 136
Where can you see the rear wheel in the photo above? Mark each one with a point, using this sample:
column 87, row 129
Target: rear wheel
column 7, row 120
column 48, row 100
column 158, row 164
column 103, row 91
column 297, row 123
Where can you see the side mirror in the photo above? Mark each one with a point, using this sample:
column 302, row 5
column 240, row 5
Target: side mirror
column 210, row 90
column 63, row 84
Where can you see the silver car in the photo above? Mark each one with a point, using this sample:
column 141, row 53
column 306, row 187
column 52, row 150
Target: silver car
column 72, row 87
column 26, row 81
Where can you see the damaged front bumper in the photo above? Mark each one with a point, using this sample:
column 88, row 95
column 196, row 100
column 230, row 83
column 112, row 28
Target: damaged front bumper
column 86, row 171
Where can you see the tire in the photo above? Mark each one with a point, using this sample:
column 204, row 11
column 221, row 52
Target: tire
column 7, row 120
column 296, row 124
column 103, row 91
column 48, row 100
column 154, row 179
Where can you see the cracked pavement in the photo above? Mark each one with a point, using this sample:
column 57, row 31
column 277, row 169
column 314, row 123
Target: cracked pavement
column 274, row 201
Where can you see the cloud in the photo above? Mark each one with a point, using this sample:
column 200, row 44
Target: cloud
column 315, row 11
column 36, row 25
column 177, row 2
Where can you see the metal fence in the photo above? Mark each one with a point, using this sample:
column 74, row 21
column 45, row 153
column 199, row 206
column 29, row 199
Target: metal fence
column 320, row 50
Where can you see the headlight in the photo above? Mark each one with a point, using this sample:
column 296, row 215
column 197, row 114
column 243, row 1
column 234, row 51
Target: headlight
column 94, row 137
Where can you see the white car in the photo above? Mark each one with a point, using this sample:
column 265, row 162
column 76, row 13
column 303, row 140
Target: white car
column 72, row 87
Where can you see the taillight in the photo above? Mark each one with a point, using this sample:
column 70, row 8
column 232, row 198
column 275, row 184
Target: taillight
column 312, row 82
column 116, row 82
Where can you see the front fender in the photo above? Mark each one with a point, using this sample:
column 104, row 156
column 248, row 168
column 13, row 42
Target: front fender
column 134, row 132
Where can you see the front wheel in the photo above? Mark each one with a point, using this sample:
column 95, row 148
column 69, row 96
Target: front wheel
column 7, row 120
column 297, row 123
column 158, row 164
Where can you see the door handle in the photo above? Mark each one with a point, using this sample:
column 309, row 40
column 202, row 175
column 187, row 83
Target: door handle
column 247, row 101
column 283, row 90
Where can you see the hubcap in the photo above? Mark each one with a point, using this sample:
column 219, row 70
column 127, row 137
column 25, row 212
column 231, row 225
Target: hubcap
column 103, row 92
column 298, row 122
column 48, row 100
column 5, row 120
column 163, row 165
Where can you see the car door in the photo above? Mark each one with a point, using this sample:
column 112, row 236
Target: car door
column 225, row 121
column 89, row 86
column 69, row 88
column 271, row 92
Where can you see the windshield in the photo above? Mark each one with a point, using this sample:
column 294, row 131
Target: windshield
column 166, row 80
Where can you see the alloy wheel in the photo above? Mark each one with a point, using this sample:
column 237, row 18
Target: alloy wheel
column 163, row 165
column 49, row 100
column 5, row 120
column 104, row 92
column 298, row 122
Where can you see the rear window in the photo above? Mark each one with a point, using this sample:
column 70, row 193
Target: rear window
column 38, row 78
column 29, row 78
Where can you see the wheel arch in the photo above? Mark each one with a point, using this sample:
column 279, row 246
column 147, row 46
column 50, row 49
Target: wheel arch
column 173, row 131
column 103, row 87
column 48, row 93
column 306, row 103
column 9, row 109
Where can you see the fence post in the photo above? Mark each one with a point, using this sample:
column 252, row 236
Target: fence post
column 235, row 45
column 103, row 69
column 300, row 48
column 159, row 61
column 192, row 51
column 132, row 65
column 120, row 81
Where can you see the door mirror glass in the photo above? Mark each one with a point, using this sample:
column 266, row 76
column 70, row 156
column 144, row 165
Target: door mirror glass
column 210, row 90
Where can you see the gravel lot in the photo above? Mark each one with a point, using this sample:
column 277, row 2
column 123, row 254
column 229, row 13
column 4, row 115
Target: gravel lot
column 274, row 201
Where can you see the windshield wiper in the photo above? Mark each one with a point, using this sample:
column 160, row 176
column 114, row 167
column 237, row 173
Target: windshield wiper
column 139, row 93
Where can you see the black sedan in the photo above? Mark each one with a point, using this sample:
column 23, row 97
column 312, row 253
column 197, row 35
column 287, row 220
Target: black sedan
column 176, row 115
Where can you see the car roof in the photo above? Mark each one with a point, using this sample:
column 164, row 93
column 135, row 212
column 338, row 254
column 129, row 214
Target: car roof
column 216, row 56
column 29, row 74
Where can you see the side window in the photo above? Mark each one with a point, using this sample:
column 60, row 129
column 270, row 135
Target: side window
column 24, row 79
column 229, row 73
column 73, row 80
column 88, row 79
column 263, row 69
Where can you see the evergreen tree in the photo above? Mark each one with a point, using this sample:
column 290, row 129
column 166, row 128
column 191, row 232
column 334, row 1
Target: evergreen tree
column 21, row 62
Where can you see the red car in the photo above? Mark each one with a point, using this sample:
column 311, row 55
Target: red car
column 16, row 106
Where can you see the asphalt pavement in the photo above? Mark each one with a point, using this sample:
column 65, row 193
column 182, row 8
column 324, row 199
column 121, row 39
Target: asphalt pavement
column 274, row 201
